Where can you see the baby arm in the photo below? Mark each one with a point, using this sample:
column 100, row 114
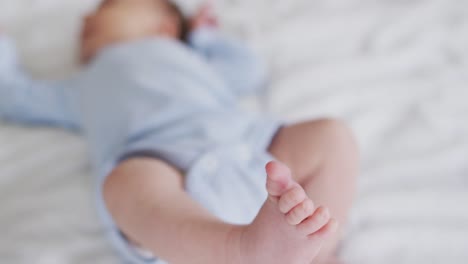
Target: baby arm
column 28, row 101
column 242, row 70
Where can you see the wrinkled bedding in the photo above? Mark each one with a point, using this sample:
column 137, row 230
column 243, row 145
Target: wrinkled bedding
column 397, row 71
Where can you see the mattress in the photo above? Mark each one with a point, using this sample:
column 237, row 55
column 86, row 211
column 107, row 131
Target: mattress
column 396, row 71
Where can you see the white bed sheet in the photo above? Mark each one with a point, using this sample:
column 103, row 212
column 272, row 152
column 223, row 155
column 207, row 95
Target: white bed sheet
column 397, row 71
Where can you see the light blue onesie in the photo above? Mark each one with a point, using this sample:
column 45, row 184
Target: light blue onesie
column 163, row 99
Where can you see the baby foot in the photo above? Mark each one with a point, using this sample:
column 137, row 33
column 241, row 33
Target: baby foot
column 288, row 229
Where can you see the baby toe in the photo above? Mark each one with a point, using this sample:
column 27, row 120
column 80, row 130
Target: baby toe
column 279, row 179
column 316, row 221
column 291, row 199
column 330, row 228
column 299, row 213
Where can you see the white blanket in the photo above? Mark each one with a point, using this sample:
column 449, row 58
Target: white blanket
column 397, row 71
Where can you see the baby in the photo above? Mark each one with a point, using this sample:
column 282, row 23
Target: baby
column 180, row 166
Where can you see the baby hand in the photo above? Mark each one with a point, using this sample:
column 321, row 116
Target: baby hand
column 205, row 17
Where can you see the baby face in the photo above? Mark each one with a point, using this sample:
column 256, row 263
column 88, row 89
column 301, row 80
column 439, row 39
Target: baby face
column 116, row 21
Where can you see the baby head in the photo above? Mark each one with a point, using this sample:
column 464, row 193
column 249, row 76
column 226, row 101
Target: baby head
column 116, row 21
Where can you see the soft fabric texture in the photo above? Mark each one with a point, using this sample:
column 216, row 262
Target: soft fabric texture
column 395, row 70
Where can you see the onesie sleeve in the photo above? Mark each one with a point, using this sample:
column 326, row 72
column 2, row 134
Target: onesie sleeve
column 29, row 101
column 243, row 71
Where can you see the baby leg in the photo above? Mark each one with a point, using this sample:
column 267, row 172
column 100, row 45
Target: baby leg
column 323, row 157
column 148, row 202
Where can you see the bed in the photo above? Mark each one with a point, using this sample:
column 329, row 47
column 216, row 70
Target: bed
column 397, row 71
